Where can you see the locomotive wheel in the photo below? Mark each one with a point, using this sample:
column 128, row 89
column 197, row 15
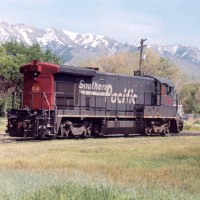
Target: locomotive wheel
column 96, row 131
column 174, row 128
column 64, row 132
column 78, row 131
column 126, row 135
column 162, row 134
column 41, row 134
column 148, row 130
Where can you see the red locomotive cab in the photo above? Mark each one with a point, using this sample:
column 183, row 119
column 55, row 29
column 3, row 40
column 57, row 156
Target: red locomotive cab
column 38, row 90
column 165, row 88
column 167, row 95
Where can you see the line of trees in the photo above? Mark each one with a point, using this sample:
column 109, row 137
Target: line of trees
column 127, row 63
column 13, row 55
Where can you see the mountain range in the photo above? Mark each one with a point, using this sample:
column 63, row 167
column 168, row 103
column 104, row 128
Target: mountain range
column 76, row 47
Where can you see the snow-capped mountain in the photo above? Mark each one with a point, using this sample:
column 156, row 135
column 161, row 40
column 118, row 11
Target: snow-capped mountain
column 72, row 47
column 188, row 58
column 75, row 47
column 190, row 54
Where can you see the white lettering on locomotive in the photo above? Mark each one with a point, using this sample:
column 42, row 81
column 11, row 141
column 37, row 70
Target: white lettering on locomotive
column 106, row 90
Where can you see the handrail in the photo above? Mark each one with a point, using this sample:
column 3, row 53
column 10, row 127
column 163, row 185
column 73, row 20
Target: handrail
column 140, row 100
column 47, row 102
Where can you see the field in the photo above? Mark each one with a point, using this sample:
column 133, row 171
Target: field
column 110, row 168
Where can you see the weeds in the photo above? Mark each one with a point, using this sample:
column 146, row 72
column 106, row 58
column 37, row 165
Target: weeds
column 192, row 125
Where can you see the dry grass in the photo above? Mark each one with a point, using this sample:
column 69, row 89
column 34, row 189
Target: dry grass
column 3, row 122
column 164, row 166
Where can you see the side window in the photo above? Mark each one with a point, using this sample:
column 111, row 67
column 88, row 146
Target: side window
column 66, row 88
column 66, row 94
column 170, row 90
column 167, row 90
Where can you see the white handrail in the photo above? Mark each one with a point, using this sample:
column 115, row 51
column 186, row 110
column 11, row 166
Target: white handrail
column 45, row 96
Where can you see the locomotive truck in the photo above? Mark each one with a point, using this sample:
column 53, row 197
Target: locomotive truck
column 68, row 101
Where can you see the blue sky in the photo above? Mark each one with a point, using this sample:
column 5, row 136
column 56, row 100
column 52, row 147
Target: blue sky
column 162, row 22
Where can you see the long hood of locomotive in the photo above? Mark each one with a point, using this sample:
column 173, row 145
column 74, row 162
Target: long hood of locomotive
column 127, row 95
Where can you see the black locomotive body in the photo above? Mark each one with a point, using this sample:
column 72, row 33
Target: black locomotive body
column 71, row 101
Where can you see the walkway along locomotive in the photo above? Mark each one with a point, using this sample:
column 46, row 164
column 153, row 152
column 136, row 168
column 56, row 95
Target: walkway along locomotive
column 66, row 101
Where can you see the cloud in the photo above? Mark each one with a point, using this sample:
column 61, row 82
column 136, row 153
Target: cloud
column 124, row 26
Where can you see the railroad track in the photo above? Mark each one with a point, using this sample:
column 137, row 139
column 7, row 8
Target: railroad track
column 185, row 134
column 5, row 138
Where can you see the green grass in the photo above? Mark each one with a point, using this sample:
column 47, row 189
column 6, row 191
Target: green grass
column 32, row 185
column 113, row 168
column 192, row 125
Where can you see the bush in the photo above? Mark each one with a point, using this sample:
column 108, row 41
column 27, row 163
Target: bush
column 192, row 126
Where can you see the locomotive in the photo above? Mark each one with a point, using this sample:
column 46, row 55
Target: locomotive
column 68, row 101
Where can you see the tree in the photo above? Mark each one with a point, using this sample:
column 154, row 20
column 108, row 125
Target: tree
column 12, row 56
column 154, row 65
column 190, row 97
column 128, row 62
column 121, row 63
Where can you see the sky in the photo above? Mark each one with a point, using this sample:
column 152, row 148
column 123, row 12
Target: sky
column 161, row 22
